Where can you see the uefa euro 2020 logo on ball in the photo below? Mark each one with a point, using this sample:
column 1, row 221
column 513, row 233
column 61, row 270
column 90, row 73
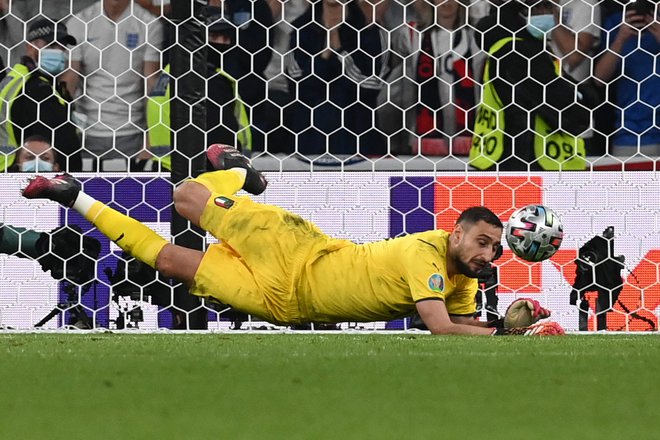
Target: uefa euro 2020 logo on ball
column 534, row 233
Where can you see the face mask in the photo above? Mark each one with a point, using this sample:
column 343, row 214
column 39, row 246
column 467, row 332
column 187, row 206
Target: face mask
column 53, row 61
column 36, row 165
column 540, row 24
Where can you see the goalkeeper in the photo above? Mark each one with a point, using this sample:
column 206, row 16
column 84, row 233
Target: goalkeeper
column 275, row 265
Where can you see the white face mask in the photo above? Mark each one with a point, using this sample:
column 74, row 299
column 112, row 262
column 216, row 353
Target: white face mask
column 36, row 165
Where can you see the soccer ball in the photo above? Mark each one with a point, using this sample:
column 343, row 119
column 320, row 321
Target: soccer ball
column 534, row 233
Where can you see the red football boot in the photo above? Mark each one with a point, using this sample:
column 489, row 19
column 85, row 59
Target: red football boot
column 63, row 188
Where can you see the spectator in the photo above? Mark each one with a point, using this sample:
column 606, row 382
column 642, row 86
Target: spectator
column 629, row 63
column 574, row 41
column 31, row 102
column 226, row 116
column 438, row 92
column 335, row 62
column 529, row 118
column 156, row 7
column 250, row 57
column 36, row 156
column 11, row 32
column 576, row 36
column 15, row 14
column 377, row 11
column 479, row 9
column 119, row 57
column 162, row 9
column 273, row 119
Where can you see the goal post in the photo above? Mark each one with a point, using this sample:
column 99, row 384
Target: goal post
column 188, row 114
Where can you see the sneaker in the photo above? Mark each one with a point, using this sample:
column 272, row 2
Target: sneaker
column 63, row 188
column 224, row 157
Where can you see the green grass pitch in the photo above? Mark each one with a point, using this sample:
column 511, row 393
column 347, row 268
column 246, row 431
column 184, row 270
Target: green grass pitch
column 328, row 386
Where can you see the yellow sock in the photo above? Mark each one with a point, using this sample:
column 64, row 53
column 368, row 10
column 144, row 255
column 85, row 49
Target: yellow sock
column 227, row 182
column 129, row 234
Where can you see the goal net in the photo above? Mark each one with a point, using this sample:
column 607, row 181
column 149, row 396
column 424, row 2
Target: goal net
column 367, row 118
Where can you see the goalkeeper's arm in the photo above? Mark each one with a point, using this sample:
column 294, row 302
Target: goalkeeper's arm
column 434, row 314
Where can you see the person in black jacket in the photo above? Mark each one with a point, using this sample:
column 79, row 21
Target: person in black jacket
column 223, row 112
column 524, row 78
column 33, row 103
column 227, row 119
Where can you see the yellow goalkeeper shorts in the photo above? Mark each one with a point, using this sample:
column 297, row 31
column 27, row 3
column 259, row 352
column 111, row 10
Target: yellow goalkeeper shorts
column 257, row 263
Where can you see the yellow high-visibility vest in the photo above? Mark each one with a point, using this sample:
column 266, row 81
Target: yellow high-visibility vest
column 554, row 150
column 158, row 119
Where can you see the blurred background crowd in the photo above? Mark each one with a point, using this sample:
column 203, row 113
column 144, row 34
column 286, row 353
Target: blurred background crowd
column 505, row 84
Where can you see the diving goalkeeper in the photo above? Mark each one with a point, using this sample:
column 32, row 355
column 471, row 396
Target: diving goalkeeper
column 275, row 265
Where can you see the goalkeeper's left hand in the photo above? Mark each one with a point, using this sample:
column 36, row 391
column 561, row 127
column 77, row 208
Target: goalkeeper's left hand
column 524, row 312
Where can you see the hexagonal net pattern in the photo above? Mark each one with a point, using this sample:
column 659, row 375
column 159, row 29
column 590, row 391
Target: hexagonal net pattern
column 372, row 119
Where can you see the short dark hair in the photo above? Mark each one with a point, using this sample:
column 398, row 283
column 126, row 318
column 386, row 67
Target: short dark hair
column 476, row 213
column 45, row 140
column 37, row 138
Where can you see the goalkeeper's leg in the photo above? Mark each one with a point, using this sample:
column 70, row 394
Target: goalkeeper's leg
column 233, row 172
column 129, row 234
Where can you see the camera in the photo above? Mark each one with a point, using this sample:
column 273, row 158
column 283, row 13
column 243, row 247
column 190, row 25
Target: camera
column 597, row 250
column 597, row 270
column 69, row 255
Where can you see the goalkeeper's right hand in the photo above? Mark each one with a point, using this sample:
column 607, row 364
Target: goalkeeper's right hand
column 524, row 312
column 542, row 329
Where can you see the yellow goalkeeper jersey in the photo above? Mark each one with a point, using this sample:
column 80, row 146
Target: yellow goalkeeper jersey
column 383, row 280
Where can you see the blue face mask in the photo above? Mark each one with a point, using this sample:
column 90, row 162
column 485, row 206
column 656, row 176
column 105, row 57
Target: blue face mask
column 539, row 25
column 53, row 61
column 36, row 165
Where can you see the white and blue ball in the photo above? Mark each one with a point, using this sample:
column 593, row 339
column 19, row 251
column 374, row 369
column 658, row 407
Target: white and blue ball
column 534, row 233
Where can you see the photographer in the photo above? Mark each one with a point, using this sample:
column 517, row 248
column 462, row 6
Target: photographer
column 64, row 251
column 597, row 270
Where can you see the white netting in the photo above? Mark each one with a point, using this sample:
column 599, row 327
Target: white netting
column 373, row 119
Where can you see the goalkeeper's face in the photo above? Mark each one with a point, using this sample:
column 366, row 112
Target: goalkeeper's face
column 473, row 246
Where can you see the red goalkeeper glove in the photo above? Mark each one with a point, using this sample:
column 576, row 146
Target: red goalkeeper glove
column 524, row 312
column 542, row 329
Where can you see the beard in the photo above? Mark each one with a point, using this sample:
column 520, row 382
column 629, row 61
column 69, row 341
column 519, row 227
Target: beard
column 465, row 269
